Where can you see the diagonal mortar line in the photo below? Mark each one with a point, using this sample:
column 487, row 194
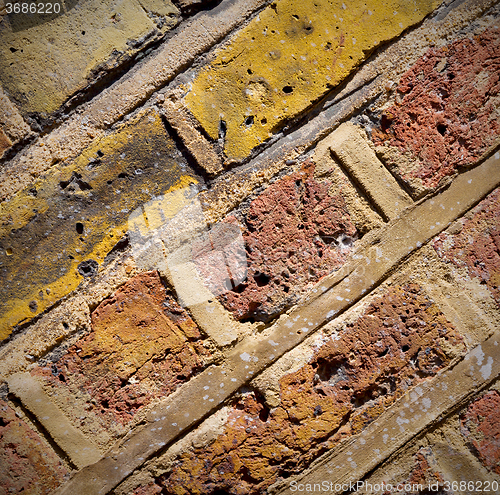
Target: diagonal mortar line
column 419, row 408
column 197, row 399
column 68, row 438
column 194, row 37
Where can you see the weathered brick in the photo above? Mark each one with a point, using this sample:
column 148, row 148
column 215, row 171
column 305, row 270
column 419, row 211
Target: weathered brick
column 142, row 346
column 401, row 339
column 295, row 233
column 59, row 230
column 27, row 463
column 447, row 113
column 38, row 66
column 480, row 425
column 476, row 245
column 286, row 59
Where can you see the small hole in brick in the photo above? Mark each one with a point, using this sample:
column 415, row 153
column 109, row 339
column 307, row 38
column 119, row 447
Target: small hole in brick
column 405, row 348
column 3, row 422
column 88, row 268
column 441, row 128
column 79, row 228
column 263, row 121
column 296, row 17
column 65, row 325
column 249, row 120
column 83, row 32
column 33, row 305
column 13, row 50
column 122, row 175
column 239, row 288
column 62, row 378
column 100, row 154
column 261, row 279
column 8, row 251
column 287, row 89
column 249, row 71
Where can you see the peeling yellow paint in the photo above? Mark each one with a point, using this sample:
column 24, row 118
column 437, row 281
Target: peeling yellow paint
column 287, row 58
column 78, row 212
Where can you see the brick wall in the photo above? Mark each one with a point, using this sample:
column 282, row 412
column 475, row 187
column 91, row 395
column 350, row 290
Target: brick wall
column 250, row 248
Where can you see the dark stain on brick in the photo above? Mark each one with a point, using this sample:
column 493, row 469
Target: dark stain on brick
column 295, row 234
column 448, row 116
column 143, row 345
column 401, row 339
column 477, row 246
column 26, row 464
column 481, row 427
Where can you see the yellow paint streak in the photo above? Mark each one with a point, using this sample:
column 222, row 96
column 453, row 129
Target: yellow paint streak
column 287, row 58
column 40, row 248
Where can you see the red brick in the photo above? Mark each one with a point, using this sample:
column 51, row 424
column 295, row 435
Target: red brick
column 295, row 234
column 143, row 345
column 481, row 427
column 477, row 246
column 27, row 465
column 448, row 114
column 401, row 339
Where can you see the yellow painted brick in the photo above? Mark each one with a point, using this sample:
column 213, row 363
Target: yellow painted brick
column 41, row 244
column 287, row 58
column 45, row 59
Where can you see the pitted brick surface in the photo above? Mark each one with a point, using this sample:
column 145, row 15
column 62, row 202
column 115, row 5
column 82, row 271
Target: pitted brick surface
column 27, row 465
column 142, row 346
column 477, row 246
column 287, row 58
column 401, row 339
column 481, row 428
column 296, row 233
column 448, row 116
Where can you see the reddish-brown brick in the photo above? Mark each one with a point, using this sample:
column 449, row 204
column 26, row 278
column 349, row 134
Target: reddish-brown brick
column 481, row 427
column 143, row 345
column 295, row 233
column 27, row 465
column 448, row 115
column 477, row 246
column 401, row 339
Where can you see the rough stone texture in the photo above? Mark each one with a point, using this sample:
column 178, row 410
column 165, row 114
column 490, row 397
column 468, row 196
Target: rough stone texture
column 103, row 34
column 447, row 115
column 481, row 427
column 27, row 463
column 74, row 215
column 347, row 384
column 197, row 145
column 295, row 233
column 287, row 58
column 474, row 243
column 79, row 131
column 12, row 126
column 142, row 346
